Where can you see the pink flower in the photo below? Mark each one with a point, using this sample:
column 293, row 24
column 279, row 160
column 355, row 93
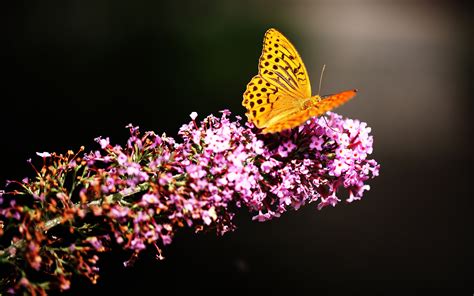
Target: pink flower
column 316, row 143
column 339, row 166
column 103, row 142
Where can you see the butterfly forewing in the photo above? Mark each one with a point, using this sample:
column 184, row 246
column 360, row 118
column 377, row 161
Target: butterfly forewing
column 282, row 84
column 281, row 65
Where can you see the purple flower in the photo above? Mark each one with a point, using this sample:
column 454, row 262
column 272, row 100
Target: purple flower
column 285, row 170
column 262, row 217
column 150, row 199
column 122, row 158
column 103, row 142
column 95, row 242
column 118, row 212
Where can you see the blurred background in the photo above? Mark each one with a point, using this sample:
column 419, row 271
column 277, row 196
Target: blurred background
column 75, row 70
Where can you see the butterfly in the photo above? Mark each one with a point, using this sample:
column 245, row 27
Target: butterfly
column 279, row 97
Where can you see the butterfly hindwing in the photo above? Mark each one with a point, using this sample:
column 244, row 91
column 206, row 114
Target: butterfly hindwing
column 258, row 100
column 266, row 105
column 291, row 120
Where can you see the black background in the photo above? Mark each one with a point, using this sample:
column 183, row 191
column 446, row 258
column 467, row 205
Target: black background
column 74, row 70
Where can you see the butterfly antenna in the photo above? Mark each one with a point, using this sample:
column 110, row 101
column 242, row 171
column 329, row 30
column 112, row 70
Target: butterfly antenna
column 319, row 91
column 321, row 79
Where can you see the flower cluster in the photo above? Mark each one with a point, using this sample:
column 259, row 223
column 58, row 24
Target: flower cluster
column 138, row 195
column 310, row 163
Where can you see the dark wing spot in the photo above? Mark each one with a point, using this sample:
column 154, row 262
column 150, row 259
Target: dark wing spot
column 269, row 56
column 291, row 57
column 278, row 40
column 268, row 100
column 254, row 113
column 269, row 48
column 259, row 101
column 265, row 72
column 276, row 51
column 264, row 89
column 262, row 109
column 276, row 45
column 251, row 96
column 277, row 60
column 246, row 101
column 275, row 67
column 252, row 104
column 259, row 94
column 255, row 88
column 260, row 81
column 267, row 84
column 267, row 63
column 270, row 73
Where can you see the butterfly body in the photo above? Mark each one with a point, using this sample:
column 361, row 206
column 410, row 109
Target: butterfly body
column 279, row 97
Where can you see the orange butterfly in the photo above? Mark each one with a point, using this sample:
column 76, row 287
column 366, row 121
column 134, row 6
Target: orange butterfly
column 279, row 97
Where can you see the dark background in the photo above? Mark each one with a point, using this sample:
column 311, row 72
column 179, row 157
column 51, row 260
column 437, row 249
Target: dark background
column 74, row 70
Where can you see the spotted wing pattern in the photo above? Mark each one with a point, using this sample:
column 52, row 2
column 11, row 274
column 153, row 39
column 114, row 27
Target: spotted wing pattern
column 279, row 97
column 281, row 64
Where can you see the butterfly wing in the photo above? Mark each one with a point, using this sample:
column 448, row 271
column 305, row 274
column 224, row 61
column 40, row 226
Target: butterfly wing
column 280, row 88
column 265, row 104
column 330, row 102
column 281, row 65
column 287, row 121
